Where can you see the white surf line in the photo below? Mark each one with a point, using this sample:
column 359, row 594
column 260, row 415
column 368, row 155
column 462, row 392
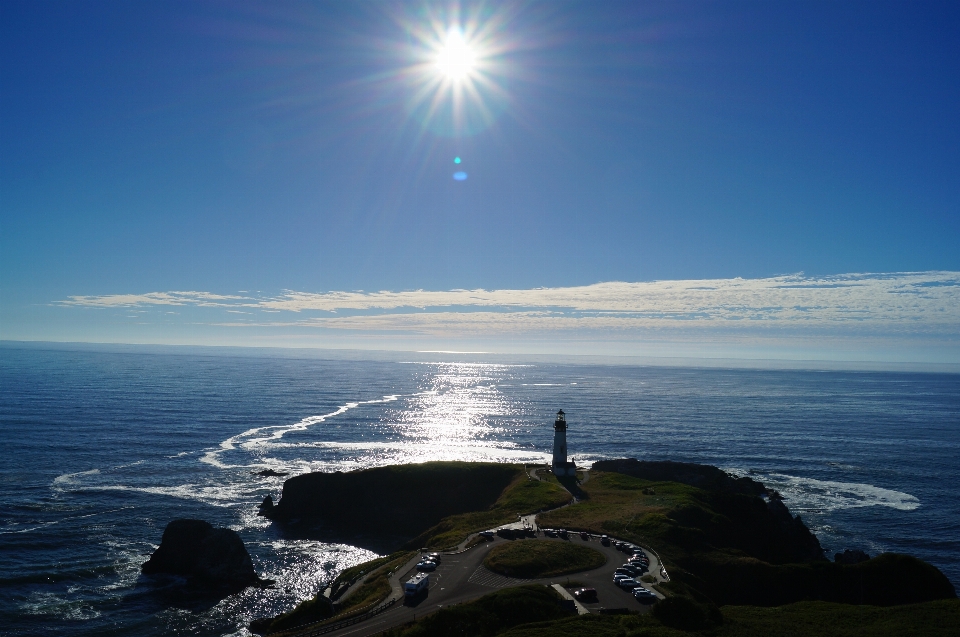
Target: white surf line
column 76, row 517
column 830, row 495
column 247, row 439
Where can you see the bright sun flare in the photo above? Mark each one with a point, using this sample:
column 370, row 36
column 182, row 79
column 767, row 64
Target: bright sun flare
column 455, row 59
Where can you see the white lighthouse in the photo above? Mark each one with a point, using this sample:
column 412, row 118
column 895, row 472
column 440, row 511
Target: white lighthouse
column 560, row 465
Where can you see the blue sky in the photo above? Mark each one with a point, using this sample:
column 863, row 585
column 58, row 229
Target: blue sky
column 262, row 150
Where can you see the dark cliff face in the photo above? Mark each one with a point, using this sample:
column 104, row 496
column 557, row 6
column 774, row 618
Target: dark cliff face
column 197, row 550
column 401, row 500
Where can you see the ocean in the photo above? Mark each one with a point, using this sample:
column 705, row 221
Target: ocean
column 104, row 446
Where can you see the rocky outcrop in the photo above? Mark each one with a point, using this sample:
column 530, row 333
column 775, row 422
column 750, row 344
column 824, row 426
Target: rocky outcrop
column 266, row 507
column 204, row 554
column 851, row 556
column 270, row 473
column 401, row 500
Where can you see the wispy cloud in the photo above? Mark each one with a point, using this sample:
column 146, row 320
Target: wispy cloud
column 202, row 299
column 914, row 301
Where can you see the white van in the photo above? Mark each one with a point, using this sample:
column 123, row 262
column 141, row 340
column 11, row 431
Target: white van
column 416, row 584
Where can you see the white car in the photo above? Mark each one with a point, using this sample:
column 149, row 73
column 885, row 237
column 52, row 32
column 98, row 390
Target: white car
column 628, row 583
column 644, row 595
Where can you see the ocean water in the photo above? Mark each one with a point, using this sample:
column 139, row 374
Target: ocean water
column 102, row 448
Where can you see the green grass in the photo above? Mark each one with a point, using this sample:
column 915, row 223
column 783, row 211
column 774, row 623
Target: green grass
column 520, row 497
column 489, row 615
column 534, row 559
column 530, row 612
column 363, row 568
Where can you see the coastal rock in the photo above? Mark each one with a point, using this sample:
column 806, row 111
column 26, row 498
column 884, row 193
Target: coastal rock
column 398, row 502
column 851, row 556
column 266, row 507
column 197, row 550
column 268, row 473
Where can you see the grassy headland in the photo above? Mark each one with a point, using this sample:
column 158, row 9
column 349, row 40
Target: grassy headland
column 723, row 544
column 532, row 560
column 730, row 547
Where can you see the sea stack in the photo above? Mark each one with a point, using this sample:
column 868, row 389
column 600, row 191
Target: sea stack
column 197, row 550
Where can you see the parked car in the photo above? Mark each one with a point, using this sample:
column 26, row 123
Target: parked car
column 433, row 557
column 644, row 595
column 586, row 594
column 584, row 535
column 562, row 533
column 628, row 583
column 487, row 534
column 624, row 572
column 550, row 532
column 633, row 570
column 604, row 540
column 427, row 565
column 618, row 545
column 618, row 578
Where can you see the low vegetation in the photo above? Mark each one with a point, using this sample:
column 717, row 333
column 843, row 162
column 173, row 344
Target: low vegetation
column 536, row 559
column 490, row 615
column 530, row 612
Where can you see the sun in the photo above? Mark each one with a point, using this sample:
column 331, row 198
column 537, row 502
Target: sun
column 456, row 59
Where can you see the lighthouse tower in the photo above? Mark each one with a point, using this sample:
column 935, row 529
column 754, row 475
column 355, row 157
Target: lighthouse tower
column 560, row 465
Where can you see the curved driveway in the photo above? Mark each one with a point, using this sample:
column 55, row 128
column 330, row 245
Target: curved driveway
column 461, row 577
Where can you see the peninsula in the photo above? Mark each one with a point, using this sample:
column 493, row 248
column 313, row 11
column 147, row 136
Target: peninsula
column 727, row 546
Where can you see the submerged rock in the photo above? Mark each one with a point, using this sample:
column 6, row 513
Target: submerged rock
column 208, row 555
column 267, row 473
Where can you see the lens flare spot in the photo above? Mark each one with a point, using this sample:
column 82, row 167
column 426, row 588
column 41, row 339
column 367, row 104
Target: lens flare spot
column 460, row 175
column 456, row 160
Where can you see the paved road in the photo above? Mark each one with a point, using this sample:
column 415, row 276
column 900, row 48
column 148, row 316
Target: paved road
column 462, row 577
